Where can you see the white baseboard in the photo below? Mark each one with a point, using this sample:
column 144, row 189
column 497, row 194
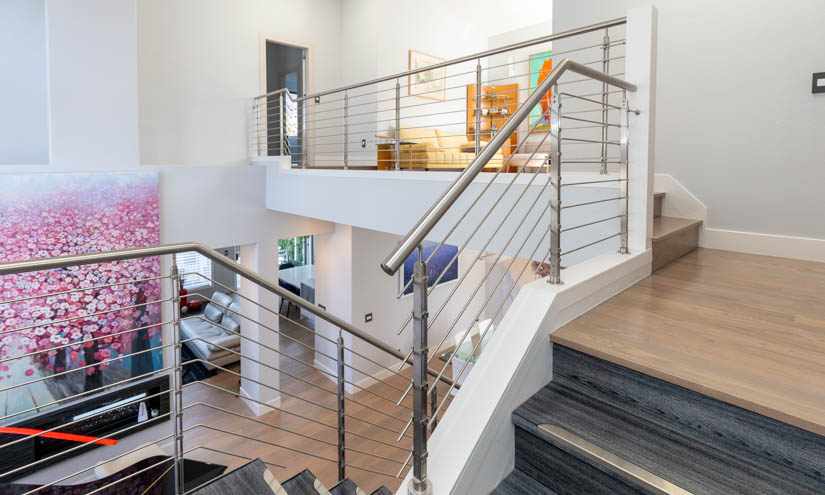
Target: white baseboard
column 801, row 248
column 256, row 407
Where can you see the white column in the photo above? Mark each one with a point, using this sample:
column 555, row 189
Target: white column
column 640, row 69
column 259, row 377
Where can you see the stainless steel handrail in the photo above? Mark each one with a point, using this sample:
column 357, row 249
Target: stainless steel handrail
column 16, row 267
column 421, row 229
column 495, row 51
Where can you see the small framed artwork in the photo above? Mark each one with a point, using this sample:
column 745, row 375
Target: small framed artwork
column 541, row 64
column 430, row 84
column 435, row 266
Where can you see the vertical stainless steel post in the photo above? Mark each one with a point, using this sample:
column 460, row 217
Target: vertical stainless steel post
column 623, row 176
column 177, row 379
column 555, row 187
column 346, row 129
column 342, row 447
column 281, row 102
column 303, row 107
column 433, row 406
column 419, row 484
column 478, row 106
column 397, row 124
column 605, row 89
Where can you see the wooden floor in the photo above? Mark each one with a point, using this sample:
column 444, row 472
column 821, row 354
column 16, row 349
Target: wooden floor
column 745, row 329
column 313, row 443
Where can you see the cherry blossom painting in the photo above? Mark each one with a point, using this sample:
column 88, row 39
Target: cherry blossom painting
column 99, row 323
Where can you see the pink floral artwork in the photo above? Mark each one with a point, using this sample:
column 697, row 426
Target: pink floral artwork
column 91, row 314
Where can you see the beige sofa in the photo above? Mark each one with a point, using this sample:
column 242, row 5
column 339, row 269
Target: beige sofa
column 438, row 149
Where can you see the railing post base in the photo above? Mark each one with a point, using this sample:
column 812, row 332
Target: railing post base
column 416, row 487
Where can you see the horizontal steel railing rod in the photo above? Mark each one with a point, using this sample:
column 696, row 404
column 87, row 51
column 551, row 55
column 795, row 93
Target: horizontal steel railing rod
column 278, row 351
column 216, row 257
column 592, row 223
column 395, row 446
column 256, row 401
column 596, row 141
column 258, row 382
column 82, row 289
column 590, row 244
column 478, row 225
column 87, row 392
column 375, row 425
column 468, row 58
column 564, row 116
column 81, row 342
column 587, row 79
column 105, row 361
column 405, row 465
column 592, row 202
column 23, row 438
column 565, row 184
column 373, row 471
column 231, row 454
column 257, row 439
column 131, row 475
column 556, row 54
column 264, row 423
column 450, row 196
column 492, row 293
column 72, row 449
column 358, row 451
column 501, row 305
column 83, row 317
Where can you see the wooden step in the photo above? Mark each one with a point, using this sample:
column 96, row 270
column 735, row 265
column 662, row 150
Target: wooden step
column 657, row 204
column 673, row 238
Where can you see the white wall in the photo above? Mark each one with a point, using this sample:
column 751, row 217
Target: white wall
column 199, row 67
column 736, row 121
column 24, row 89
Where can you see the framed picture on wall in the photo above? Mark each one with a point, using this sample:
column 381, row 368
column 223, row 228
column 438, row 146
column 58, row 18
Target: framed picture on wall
column 435, row 266
column 541, row 64
column 430, row 84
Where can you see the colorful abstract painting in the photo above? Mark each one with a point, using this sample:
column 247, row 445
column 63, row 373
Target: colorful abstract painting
column 78, row 335
column 541, row 64
column 443, row 260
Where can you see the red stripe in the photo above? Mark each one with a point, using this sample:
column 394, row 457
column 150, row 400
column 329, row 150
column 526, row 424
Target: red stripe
column 59, row 436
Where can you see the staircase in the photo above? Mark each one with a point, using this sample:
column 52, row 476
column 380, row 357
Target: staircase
column 600, row 428
column 254, row 477
column 673, row 237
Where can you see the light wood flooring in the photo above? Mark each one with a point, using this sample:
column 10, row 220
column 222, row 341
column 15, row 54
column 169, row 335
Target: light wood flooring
column 314, row 443
column 745, row 329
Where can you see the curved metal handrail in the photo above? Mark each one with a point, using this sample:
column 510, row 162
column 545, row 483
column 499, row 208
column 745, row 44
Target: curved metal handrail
column 439, row 208
column 515, row 46
column 16, row 267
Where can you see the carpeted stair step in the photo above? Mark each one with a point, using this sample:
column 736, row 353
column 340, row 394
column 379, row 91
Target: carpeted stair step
column 253, row 477
column 602, row 428
column 304, row 483
column 346, row 487
column 519, row 483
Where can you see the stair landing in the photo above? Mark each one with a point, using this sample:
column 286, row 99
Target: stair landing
column 745, row 329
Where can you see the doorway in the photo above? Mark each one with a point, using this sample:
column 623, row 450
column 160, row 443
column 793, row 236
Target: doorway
column 285, row 68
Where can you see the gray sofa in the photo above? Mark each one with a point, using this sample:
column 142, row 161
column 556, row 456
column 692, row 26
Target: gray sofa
column 208, row 326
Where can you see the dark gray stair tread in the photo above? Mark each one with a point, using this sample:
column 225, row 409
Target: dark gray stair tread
column 691, row 465
column 664, row 227
column 382, row 490
column 519, row 483
column 345, row 487
column 302, row 483
column 739, row 432
column 247, row 479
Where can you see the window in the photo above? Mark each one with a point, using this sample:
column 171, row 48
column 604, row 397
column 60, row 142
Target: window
column 190, row 265
column 297, row 251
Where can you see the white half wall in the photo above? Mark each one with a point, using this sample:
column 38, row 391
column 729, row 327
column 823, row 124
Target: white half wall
column 472, row 449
